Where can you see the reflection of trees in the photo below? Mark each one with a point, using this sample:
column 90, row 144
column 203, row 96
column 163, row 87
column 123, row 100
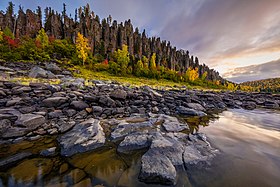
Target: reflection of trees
column 196, row 122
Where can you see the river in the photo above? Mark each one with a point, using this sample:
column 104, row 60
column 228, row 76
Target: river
column 249, row 144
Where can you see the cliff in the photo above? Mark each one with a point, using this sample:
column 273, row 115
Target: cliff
column 105, row 36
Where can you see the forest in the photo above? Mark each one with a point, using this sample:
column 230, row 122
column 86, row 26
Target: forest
column 265, row 85
column 100, row 45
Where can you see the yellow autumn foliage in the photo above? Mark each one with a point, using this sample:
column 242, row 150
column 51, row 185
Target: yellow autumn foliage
column 192, row 74
column 82, row 47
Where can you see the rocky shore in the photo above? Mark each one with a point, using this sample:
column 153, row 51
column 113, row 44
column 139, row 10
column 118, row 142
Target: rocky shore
column 85, row 117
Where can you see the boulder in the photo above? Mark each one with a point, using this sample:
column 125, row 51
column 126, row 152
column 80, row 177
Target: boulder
column 123, row 129
column 157, row 168
column 79, row 105
column 54, row 101
column 196, row 106
column 55, row 114
column 249, row 105
column 3, row 68
column 189, row 112
column 30, row 121
column 85, row 136
column 37, row 72
column 48, row 152
column 118, row 94
column 172, row 124
column 169, row 147
column 97, row 110
column 53, row 68
column 133, row 142
column 14, row 158
column 107, row 101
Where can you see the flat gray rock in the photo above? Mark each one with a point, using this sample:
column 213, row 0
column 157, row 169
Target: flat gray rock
column 3, row 68
column 30, row 121
column 196, row 106
column 189, row 112
column 79, row 105
column 134, row 142
column 118, row 94
column 54, row 101
column 85, row 136
column 37, row 72
column 124, row 128
column 157, row 168
column 14, row 158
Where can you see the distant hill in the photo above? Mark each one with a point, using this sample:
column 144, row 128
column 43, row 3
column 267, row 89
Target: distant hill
column 265, row 85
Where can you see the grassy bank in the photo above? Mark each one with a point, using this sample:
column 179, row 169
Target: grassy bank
column 136, row 81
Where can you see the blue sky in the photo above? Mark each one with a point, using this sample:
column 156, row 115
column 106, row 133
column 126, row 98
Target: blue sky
column 224, row 34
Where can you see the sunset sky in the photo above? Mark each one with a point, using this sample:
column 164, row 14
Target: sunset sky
column 227, row 35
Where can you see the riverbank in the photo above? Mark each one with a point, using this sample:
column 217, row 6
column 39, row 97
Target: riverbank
column 83, row 116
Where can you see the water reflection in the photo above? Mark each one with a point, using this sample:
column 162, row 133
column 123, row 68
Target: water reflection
column 249, row 142
column 250, row 145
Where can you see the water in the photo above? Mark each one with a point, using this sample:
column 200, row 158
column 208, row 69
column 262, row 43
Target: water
column 249, row 142
column 250, row 146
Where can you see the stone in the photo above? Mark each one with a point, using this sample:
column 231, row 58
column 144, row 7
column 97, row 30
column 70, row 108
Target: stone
column 118, row 94
column 53, row 68
column 249, row 105
column 12, row 102
column 124, row 129
column 85, row 136
column 14, row 158
column 196, row 106
column 30, row 121
column 107, row 101
column 133, row 142
column 55, row 114
column 169, row 147
column 70, row 112
column 37, row 72
column 171, row 124
column 156, row 168
column 189, row 112
column 97, row 110
column 26, row 110
column 63, row 127
column 5, row 125
column 48, row 152
column 79, row 105
column 174, row 126
column 148, row 89
column 54, row 101
column 76, row 175
column 3, row 68
column 192, row 156
column 20, row 90
column 20, row 173
column 85, row 183
column 63, row 168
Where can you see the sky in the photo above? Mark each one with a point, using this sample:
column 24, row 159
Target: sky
column 227, row 35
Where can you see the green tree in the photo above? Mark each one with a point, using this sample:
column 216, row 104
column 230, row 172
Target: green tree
column 42, row 38
column 138, row 68
column 122, row 59
column 203, row 76
column 82, row 47
column 7, row 32
column 145, row 61
column 153, row 62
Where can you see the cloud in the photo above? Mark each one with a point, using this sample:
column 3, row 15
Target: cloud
column 224, row 34
column 254, row 72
